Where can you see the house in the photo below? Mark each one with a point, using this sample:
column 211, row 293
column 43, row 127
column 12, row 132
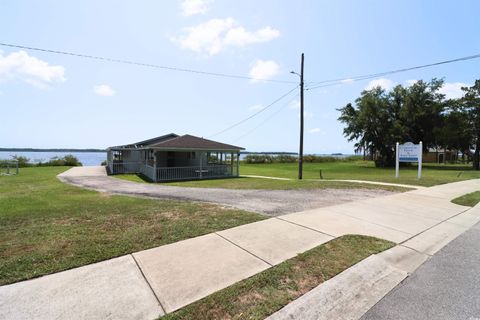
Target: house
column 172, row 157
column 439, row 155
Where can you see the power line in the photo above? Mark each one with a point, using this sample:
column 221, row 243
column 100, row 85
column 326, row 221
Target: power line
column 332, row 82
column 267, row 119
column 256, row 113
column 87, row 56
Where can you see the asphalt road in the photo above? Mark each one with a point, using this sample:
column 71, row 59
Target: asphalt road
column 447, row 286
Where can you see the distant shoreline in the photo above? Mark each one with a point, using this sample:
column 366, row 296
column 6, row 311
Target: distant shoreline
column 104, row 150
column 51, row 150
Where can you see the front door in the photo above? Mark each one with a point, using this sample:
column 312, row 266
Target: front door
column 170, row 159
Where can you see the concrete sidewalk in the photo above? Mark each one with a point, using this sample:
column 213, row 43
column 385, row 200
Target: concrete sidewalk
column 175, row 275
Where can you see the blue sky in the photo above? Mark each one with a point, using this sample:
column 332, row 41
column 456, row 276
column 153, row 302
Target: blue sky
column 49, row 100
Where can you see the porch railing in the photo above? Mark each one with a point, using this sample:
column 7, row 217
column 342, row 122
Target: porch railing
column 126, row 167
column 174, row 173
column 192, row 173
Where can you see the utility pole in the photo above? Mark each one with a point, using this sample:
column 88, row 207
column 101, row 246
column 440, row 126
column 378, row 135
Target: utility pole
column 300, row 153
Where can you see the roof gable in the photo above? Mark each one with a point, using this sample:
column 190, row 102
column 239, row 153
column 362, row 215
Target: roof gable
column 192, row 142
column 148, row 142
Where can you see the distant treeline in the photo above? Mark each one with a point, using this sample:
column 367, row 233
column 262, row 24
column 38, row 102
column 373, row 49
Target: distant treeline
column 51, row 150
column 265, row 158
column 270, row 152
column 23, row 162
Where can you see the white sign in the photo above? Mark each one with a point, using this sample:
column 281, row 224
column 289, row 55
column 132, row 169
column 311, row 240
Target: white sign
column 408, row 152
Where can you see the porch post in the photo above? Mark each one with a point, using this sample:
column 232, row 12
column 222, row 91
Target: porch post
column 238, row 163
column 201, row 160
column 231, row 164
column 154, row 178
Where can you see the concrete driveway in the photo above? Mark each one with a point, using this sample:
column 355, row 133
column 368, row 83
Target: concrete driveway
column 270, row 202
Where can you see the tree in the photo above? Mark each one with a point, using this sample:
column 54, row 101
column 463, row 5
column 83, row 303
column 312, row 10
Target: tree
column 469, row 106
column 370, row 125
column 381, row 119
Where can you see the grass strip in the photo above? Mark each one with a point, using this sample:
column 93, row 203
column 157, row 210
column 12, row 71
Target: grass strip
column 261, row 295
column 266, row 184
column 47, row 226
column 469, row 199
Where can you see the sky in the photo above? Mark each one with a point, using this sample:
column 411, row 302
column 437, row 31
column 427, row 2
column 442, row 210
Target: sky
column 57, row 101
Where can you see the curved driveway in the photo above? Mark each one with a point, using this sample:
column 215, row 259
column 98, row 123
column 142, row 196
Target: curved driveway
column 271, row 202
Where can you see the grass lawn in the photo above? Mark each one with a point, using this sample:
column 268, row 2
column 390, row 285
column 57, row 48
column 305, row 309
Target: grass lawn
column 365, row 170
column 261, row 295
column 469, row 200
column 267, row 184
column 47, row 226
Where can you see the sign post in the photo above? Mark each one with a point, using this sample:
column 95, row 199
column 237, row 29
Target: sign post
column 396, row 161
column 408, row 152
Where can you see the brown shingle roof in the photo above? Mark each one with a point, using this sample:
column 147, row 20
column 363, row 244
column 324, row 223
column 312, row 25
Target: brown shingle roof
column 191, row 142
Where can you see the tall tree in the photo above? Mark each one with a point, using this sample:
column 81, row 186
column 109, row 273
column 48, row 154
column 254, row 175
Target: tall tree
column 380, row 119
column 469, row 105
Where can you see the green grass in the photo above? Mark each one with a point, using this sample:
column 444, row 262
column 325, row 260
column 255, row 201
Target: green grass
column 432, row 174
column 365, row 170
column 265, row 184
column 261, row 295
column 47, row 226
column 469, row 199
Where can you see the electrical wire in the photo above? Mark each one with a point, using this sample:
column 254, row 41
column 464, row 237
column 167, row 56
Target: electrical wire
column 255, row 114
column 150, row 65
column 267, row 119
column 332, row 82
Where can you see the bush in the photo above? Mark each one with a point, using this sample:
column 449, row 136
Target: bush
column 258, row 158
column 68, row 160
column 22, row 161
column 283, row 158
column 103, row 163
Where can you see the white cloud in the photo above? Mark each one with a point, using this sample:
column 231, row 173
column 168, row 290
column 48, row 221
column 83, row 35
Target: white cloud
column 453, row 90
column 193, row 7
column 264, row 69
column 20, row 65
column 315, row 130
column 104, row 90
column 386, row 84
column 215, row 35
column 411, row 82
column 240, row 37
column 256, row 107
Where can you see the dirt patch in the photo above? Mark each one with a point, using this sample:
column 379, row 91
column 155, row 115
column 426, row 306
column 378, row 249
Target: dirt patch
column 267, row 202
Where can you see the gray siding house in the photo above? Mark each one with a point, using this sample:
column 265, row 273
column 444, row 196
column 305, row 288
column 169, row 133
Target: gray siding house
column 172, row 157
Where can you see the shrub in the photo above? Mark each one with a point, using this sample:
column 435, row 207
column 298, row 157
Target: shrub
column 22, row 161
column 68, row 160
column 284, row 158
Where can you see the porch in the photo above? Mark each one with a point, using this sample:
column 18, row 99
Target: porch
column 173, row 165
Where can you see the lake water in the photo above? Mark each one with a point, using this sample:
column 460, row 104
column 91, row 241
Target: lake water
column 86, row 158
column 89, row 158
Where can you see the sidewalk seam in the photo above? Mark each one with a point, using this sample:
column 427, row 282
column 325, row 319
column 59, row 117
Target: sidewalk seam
column 443, row 221
column 236, row 245
column 300, row 225
column 148, row 283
